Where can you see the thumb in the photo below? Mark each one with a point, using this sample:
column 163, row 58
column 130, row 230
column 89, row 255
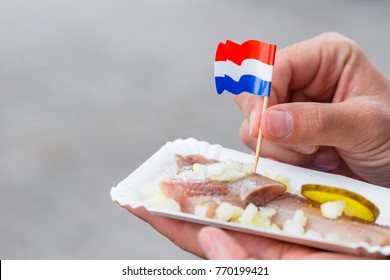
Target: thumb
column 341, row 125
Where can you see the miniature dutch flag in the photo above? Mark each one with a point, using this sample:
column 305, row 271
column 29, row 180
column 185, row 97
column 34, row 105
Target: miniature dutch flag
column 244, row 68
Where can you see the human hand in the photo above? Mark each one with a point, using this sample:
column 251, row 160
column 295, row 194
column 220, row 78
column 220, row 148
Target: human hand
column 337, row 106
column 214, row 243
column 218, row 244
column 329, row 109
column 181, row 233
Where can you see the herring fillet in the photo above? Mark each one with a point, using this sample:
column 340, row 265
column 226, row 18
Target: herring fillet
column 347, row 229
column 253, row 188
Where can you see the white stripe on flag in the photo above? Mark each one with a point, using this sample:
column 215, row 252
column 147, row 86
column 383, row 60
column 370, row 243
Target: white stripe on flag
column 248, row 67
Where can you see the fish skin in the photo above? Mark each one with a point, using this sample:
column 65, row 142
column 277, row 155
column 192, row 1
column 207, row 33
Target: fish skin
column 253, row 188
column 191, row 192
column 189, row 160
column 260, row 191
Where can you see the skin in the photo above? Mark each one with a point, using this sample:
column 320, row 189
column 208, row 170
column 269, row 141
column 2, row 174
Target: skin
column 217, row 244
column 329, row 109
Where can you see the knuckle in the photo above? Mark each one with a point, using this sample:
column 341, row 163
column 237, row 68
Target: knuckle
column 335, row 38
column 332, row 36
column 340, row 46
column 318, row 121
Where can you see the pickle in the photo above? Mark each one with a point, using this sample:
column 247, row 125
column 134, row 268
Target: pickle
column 356, row 205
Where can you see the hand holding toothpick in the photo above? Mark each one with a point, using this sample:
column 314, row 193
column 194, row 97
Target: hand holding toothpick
column 245, row 68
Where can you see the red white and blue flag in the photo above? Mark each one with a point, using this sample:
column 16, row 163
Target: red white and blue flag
column 244, row 68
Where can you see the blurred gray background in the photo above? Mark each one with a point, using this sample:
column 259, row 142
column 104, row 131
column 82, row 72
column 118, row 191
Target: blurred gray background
column 92, row 88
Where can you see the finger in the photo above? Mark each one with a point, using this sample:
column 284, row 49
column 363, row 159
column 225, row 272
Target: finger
column 294, row 69
column 250, row 142
column 302, row 66
column 307, row 71
column 247, row 246
column 218, row 244
column 312, row 68
column 324, row 159
column 245, row 137
column 310, row 156
column 251, row 106
column 346, row 125
column 181, row 233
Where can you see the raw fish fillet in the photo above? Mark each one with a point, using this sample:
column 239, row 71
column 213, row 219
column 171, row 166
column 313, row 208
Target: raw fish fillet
column 253, row 188
column 188, row 161
column 347, row 229
column 263, row 191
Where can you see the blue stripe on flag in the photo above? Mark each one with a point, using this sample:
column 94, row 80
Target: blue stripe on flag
column 247, row 83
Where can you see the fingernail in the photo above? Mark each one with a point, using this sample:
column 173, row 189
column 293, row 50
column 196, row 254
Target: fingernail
column 279, row 124
column 252, row 117
column 326, row 160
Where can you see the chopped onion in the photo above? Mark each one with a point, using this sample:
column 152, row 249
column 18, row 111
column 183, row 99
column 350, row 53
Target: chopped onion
column 249, row 213
column 201, row 211
column 332, row 209
column 227, row 211
column 293, row 227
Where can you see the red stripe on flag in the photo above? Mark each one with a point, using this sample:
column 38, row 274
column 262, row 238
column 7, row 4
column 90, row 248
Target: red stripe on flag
column 254, row 49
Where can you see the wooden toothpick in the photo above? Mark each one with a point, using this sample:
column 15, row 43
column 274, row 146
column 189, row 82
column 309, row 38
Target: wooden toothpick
column 260, row 135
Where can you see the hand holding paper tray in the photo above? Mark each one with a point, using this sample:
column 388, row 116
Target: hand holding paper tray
column 161, row 165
